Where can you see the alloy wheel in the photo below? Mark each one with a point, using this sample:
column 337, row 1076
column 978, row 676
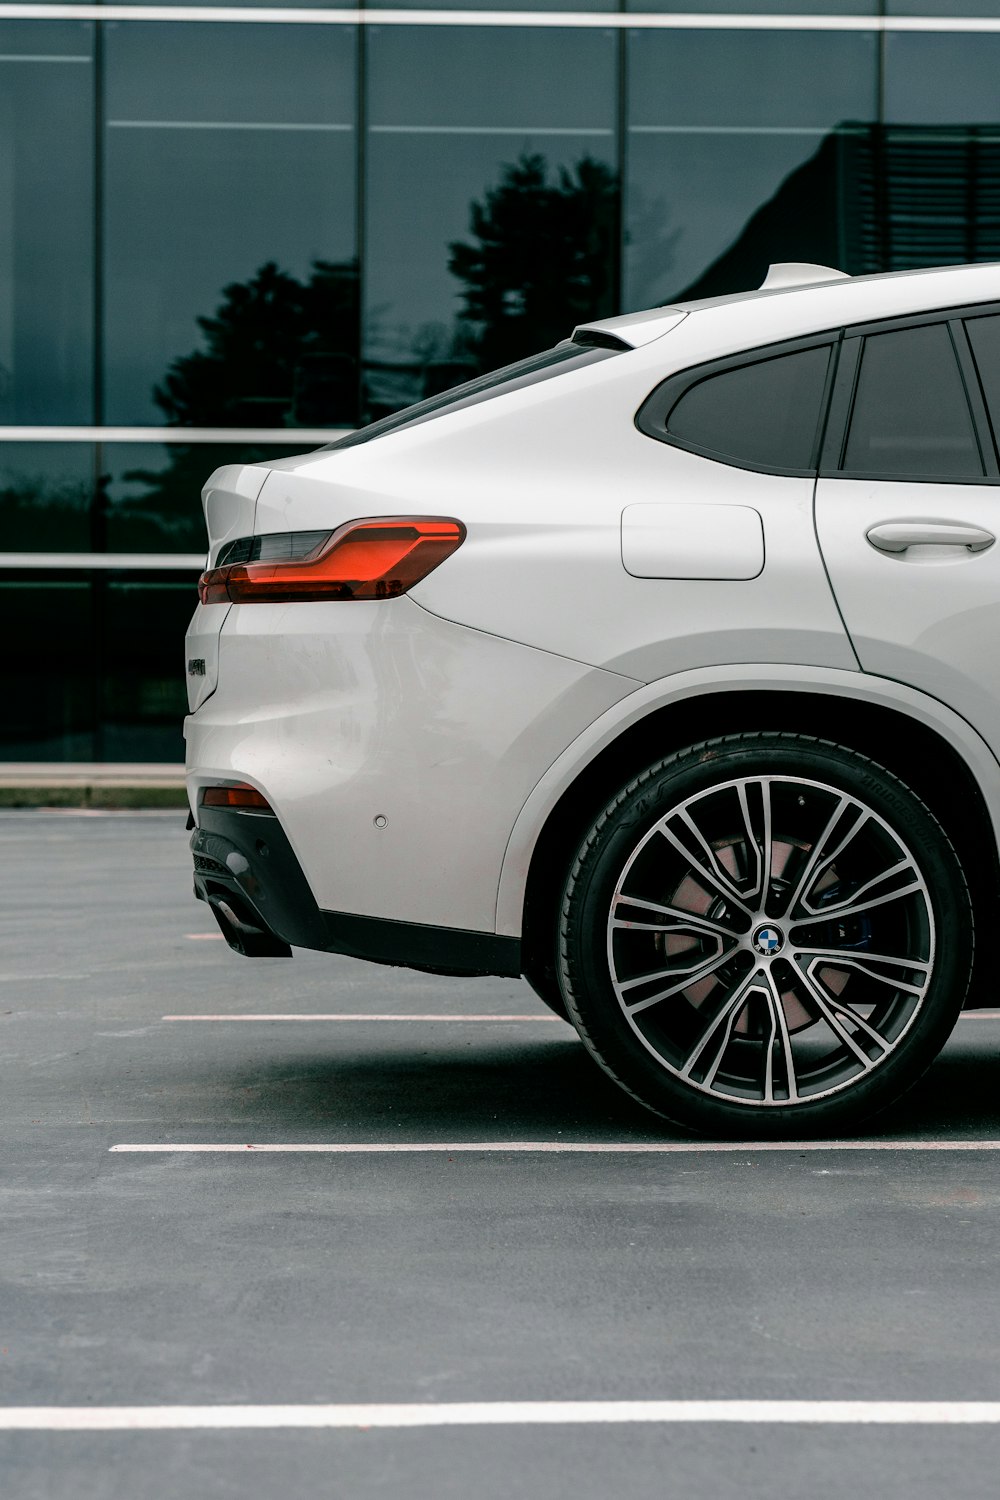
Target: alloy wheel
column 771, row 941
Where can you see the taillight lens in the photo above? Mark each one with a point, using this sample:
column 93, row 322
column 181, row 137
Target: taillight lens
column 235, row 796
column 374, row 559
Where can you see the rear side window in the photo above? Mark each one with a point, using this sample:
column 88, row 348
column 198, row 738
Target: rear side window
column 984, row 336
column 571, row 355
column 763, row 414
column 911, row 417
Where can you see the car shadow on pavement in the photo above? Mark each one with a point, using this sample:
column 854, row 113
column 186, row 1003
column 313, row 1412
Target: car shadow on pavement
column 960, row 1094
column 273, row 1086
column 457, row 1089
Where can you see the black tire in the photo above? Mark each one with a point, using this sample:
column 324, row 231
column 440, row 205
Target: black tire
column 806, row 985
column 545, row 983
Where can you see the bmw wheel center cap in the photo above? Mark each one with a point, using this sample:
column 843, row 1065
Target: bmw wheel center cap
column 768, row 941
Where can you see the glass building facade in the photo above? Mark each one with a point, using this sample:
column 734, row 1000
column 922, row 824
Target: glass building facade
column 222, row 239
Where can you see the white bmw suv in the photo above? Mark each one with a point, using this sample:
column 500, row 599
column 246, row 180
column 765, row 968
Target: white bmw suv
column 662, row 668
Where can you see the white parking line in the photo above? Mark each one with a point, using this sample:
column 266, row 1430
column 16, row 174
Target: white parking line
column 362, row 1016
column 600, row 1148
column 497, row 1413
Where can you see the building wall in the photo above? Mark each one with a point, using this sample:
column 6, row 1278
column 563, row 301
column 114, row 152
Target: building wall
column 215, row 233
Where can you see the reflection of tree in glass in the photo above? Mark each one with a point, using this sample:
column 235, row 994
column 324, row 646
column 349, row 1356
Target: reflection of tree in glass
column 165, row 514
column 542, row 260
column 34, row 509
column 279, row 352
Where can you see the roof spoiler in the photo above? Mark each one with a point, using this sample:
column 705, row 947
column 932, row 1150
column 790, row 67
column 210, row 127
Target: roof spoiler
column 799, row 273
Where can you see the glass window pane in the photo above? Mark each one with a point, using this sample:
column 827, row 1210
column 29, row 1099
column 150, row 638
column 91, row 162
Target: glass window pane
column 745, row 148
column 231, row 277
column 911, row 418
column 765, row 414
column 104, row 679
column 539, row 367
column 941, row 153
column 151, row 493
column 119, row 497
column 46, row 493
column 48, row 692
column 492, row 200
column 984, row 336
column 773, row 7
column 143, row 692
column 481, row 5
column 942, row 8
column 46, row 222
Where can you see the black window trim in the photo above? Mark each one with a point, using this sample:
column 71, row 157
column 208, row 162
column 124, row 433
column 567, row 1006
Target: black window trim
column 651, row 418
column 974, row 378
column 841, row 406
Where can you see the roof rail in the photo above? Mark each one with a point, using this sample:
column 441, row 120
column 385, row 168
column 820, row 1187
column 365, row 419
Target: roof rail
column 799, row 273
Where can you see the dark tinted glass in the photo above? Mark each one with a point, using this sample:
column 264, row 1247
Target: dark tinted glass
column 104, row 677
column 46, row 222
column 491, row 199
column 774, row 7
column 46, row 495
column 911, row 417
column 230, row 196
column 143, row 694
column 745, row 148
column 150, row 496
column 943, row 8
column 765, row 415
column 984, row 336
column 120, row 497
column 49, row 689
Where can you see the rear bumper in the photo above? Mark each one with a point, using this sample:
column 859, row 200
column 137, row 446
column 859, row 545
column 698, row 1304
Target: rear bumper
column 396, row 750
column 246, row 870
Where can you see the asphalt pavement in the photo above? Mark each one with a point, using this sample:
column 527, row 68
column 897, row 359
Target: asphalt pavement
column 259, row 1278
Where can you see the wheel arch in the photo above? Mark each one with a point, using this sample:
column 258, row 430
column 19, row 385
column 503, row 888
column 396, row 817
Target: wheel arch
column 940, row 756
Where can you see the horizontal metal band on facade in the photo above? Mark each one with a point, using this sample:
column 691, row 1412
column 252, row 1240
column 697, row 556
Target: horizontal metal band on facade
column 287, row 437
column 616, row 20
column 105, row 562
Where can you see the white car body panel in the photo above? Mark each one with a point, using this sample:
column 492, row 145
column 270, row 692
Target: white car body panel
column 230, row 499
column 544, row 524
column 686, row 686
column 586, row 595
column 341, row 714
column 929, row 616
column 699, row 540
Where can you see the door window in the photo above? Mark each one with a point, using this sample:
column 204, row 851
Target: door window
column 911, row 417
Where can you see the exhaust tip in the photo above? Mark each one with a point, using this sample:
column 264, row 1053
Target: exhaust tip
column 245, row 937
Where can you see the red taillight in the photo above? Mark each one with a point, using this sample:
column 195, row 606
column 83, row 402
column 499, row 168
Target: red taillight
column 212, row 586
column 374, row 559
column 234, row 796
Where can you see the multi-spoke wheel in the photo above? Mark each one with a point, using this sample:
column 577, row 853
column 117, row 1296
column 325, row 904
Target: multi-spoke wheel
column 766, row 934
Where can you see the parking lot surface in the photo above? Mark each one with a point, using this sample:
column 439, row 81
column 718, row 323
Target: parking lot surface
column 258, row 1278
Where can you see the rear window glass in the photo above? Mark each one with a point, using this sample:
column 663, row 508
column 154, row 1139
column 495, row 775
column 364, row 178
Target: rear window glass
column 557, row 361
column 762, row 415
column 911, row 417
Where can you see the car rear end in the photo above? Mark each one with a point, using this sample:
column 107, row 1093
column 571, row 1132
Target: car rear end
column 356, row 762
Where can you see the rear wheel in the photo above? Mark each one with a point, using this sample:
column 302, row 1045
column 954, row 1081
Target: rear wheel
column 765, row 935
column 545, row 983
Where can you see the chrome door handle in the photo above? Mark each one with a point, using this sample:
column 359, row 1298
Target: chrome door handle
column 896, row 536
